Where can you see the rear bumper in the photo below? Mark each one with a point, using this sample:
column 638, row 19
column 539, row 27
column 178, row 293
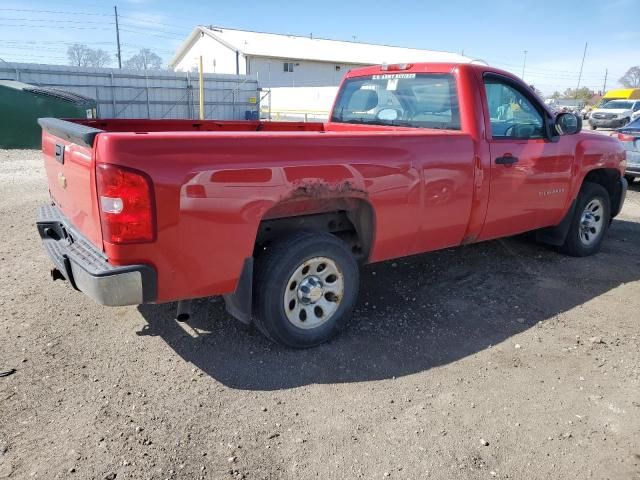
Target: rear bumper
column 633, row 163
column 87, row 269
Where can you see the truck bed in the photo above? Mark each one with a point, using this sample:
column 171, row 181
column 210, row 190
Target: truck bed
column 206, row 182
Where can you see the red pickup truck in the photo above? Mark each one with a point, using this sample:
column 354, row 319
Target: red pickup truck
column 277, row 217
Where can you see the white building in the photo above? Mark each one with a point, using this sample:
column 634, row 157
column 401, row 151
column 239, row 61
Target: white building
column 287, row 60
column 285, row 63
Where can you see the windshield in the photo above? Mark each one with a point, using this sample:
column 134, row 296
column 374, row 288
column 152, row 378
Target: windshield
column 401, row 99
column 618, row 104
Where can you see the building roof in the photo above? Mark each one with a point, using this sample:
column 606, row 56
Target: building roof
column 293, row 47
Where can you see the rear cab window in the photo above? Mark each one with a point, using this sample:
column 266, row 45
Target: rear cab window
column 416, row 100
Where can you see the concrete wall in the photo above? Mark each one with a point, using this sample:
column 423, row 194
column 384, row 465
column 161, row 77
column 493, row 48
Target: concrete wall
column 139, row 94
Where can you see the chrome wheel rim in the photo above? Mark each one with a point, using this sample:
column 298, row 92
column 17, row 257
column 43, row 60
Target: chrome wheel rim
column 591, row 222
column 313, row 293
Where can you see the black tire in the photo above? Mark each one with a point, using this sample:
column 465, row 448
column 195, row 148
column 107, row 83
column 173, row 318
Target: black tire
column 574, row 244
column 593, row 127
column 630, row 179
column 274, row 269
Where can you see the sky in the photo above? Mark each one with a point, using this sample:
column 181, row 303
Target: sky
column 553, row 33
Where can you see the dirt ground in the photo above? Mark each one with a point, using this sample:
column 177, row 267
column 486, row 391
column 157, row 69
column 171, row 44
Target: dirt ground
column 498, row 360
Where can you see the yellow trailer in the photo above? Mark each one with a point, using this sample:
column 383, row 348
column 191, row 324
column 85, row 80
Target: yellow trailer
column 622, row 94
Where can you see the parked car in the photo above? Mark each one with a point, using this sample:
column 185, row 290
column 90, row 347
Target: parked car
column 278, row 217
column 629, row 135
column 614, row 113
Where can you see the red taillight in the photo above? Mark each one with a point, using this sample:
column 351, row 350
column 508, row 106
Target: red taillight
column 125, row 198
column 626, row 138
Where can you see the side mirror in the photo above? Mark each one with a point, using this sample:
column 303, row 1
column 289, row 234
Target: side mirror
column 568, row 123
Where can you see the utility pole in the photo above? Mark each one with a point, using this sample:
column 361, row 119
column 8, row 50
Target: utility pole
column 115, row 9
column 581, row 67
column 604, row 88
column 524, row 64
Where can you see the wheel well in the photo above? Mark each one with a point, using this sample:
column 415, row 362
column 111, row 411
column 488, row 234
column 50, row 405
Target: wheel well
column 351, row 220
column 607, row 177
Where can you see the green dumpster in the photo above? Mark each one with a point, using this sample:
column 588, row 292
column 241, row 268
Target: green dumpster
column 22, row 104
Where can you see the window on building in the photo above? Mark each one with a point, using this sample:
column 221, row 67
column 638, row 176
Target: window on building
column 337, row 68
column 288, row 67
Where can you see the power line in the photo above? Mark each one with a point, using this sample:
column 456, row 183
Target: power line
column 52, row 11
column 54, row 27
column 47, row 42
column 174, row 37
column 82, row 22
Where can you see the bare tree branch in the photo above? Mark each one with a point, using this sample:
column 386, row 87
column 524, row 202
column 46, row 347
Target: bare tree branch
column 145, row 59
column 631, row 79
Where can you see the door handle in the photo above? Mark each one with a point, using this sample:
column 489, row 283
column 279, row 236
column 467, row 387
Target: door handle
column 506, row 160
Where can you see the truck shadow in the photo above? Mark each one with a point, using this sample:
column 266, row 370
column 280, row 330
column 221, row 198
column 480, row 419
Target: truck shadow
column 413, row 314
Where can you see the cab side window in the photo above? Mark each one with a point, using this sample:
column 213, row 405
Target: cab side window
column 512, row 115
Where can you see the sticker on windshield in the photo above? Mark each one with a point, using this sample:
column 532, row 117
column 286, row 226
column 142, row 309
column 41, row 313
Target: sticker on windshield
column 392, row 84
column 388, row 76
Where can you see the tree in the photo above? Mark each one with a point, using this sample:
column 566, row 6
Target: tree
column 556, row 95
column 82, row 56
column 631, row 79
column 79, row 55
column 583, row 93
column 145, row 59
column 99, row 58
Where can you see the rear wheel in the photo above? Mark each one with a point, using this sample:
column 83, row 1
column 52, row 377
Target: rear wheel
column 305, row 289
column 593, row 127
column 630, row 179
column 590, row 221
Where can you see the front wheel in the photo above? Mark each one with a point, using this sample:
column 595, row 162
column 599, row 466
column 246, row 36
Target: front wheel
column 630, row 179
column 305, row 289
column 590, row 221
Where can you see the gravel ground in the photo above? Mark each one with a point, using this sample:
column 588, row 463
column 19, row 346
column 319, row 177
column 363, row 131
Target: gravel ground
column 498, row 360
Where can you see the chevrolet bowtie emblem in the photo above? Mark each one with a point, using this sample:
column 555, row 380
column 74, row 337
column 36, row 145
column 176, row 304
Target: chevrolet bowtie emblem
column 62, row 180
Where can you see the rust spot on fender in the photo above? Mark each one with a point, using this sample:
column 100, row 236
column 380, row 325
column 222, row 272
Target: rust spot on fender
column 318, row 190
column 311, row 197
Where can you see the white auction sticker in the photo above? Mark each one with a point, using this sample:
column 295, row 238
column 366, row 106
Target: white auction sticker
column 388, row 76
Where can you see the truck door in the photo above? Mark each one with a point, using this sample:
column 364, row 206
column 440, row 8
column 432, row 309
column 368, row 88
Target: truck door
column 530, row 175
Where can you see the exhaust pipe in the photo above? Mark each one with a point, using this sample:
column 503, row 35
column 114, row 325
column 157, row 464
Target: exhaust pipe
column 184, row 310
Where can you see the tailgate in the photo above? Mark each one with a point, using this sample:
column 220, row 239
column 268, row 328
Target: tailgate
column 68, row 154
